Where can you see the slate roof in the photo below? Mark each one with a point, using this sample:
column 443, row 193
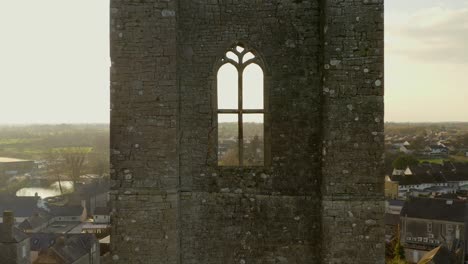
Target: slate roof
column 73, row 247
column 68, row 210
column 42, row 241
column 438, row 147
column 392, row 219
column 436, row 209
column 422, row 173
column 396, row 202
column 34, row 221
column 439, row 255
column 21, row 206
column 433, row 173
column 93, row 189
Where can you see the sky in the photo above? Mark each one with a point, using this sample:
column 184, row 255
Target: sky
column 54, row 61
column 426, row 60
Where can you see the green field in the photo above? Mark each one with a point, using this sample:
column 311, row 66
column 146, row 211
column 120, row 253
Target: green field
column 451, row 158
column 35, row 141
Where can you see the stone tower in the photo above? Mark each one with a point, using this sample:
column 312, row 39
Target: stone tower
column 318, row 195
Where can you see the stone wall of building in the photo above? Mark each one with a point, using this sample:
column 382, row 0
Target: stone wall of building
column 318, row 199
column 251, row 215
column 353, row 132
column 144, row 134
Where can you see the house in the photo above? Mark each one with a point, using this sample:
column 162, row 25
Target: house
column 95, row 194
column 49, row 248
column 23, row 207
column 417, row 177
column 104, row 245
column 405, row 149
column 14, row 244
column 391, row 188
column 100, row 230
column 394, row 206
column 36, row 222
column 391, row 226
column 427, row 223
column 401, row 147
column 437, row 150
column 428, row 178
column 64, row 219
column 455, row 173
column 73, row 213
column 441, row 255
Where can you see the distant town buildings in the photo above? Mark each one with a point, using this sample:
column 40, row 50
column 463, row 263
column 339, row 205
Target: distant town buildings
column 427, row 179
column 13, row 167
column 427, row 223
column 56, row 230
column 23, row 207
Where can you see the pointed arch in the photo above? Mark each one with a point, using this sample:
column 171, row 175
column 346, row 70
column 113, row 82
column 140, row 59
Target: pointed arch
column 241, row 107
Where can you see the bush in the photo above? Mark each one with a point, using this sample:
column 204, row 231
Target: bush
column 403, row 161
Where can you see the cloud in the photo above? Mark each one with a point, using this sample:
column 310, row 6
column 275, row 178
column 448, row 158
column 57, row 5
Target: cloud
column 437, row 34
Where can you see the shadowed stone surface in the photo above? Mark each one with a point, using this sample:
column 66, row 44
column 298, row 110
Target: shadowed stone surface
column 319, row 199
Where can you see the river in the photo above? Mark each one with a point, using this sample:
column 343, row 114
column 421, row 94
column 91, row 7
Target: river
column 44, row 192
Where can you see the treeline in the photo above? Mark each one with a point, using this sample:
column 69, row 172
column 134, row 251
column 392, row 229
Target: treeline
column 31, row 142
column 37, row 142
column 421, row 129
column 229, row 130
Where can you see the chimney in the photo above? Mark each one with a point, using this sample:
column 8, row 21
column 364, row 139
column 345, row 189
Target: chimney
column 83, row 204
column 9, row 223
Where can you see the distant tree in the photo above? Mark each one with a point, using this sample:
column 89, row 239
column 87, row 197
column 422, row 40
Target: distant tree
column 403, row 161
column 398, row 254
column 418, row 143
column 463, row 140
column 251, row 155
column 231, row 158
column 54, row 166
column 75, row 158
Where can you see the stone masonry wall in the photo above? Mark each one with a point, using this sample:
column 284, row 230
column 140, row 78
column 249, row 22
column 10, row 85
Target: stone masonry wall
column 319, row 198
column 353, row 132
column 268, row 214
column 144, row 142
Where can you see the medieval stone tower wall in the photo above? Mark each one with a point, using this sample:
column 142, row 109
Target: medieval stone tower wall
column 319, row 197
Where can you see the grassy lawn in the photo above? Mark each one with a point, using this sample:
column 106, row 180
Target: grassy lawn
column 434, row 161
column 450, row 158
column 15, row 141
column 459, row 159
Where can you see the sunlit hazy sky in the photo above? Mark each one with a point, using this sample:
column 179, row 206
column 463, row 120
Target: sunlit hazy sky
column 54, row 61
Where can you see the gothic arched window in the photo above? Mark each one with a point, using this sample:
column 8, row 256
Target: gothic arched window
column 240, row 108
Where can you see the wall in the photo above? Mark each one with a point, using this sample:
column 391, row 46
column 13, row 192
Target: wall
column 415, row 227
column 11, row 253
column 353, row 132
column 173, row 204
column 269, row 214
